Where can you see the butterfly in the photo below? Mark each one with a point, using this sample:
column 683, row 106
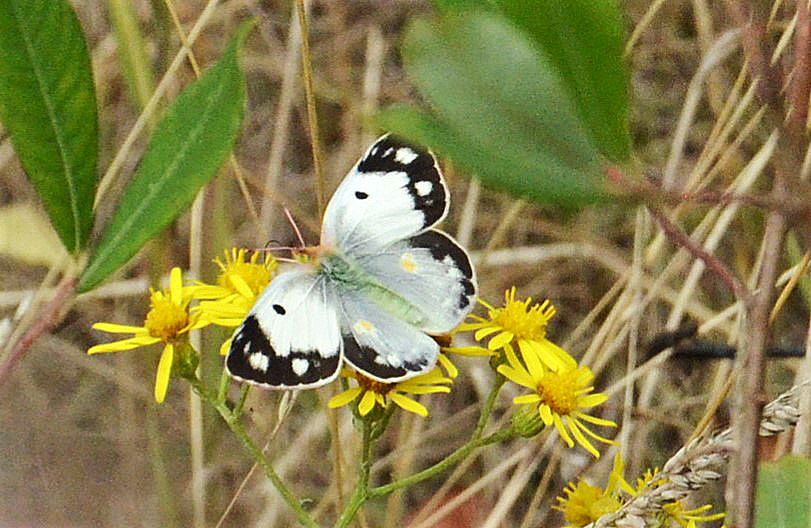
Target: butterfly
column 381, row 279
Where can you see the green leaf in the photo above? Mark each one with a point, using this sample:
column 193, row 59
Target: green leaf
column 500, row 109
column 584, row 39
column 48, row 105
column 187, row 148
column 783, row 498
column 499, row 168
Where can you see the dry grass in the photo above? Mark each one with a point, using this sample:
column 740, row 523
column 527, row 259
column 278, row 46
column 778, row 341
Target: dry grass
column 83, row 444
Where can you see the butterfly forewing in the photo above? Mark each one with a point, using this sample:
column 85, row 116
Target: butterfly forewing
column 430, row 271
column 380, row 345
column 394, row 192
column 291, row 337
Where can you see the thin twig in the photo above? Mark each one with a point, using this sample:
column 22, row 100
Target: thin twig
column 678, row 237
column 50, row 316
column 307, row 71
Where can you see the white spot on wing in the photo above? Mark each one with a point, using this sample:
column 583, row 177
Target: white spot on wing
column 259, row 361
column 405, row 155
column 300, row 366
column 423, row 187
column 246, row 348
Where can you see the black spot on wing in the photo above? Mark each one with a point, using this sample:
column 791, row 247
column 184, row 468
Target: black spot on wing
column 250, row 339
column 425, row 185
column 443, row 246
column 362, row 358
column 279, row 309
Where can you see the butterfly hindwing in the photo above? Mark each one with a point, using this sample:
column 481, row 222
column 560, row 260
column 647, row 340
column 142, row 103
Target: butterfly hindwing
column 394, row 192
column 430, row 271
column 380, row 345
column 291, row 337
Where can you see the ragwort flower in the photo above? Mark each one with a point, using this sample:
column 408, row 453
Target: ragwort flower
column 371, row 393
column 239, row 283
column 561, row 396
column 168, row 321
column 585, row 503
column 521, row 324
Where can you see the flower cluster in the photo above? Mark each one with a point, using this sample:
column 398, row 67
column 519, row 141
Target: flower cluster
column 170, row 317
column 584, row 503
column 226, row 303
column 560, row 389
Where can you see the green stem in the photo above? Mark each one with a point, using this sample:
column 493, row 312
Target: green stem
column 361, row 492
column 222, row 391
column 487, row 408
column 457, row 456
column 460, row 454
column 236, row 427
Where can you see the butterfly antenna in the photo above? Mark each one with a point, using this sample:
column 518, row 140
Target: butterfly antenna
column 295, row 227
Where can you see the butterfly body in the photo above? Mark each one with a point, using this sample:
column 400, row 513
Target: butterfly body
column 382, row 278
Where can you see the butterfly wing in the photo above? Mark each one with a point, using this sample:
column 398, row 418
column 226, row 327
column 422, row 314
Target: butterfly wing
column 394, row 192
column 380, row 345
column 430, row 271
column 291, row 338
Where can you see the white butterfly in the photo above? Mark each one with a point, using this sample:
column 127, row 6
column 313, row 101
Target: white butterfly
column 382, row 279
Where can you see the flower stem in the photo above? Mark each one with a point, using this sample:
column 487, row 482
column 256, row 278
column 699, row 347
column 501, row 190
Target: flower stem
column 457, row 456
column 236, row 427
column 460, row 454
column 361, row 492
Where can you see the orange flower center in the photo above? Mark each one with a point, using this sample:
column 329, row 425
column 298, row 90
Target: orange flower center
column 375, row 386
column 523, row 320
column 558, row 392
column 165, row 319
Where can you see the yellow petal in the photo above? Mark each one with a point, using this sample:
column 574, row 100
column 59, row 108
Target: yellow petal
column 517, row 376
column 176, row 286
column 367, row 403
column 484, row 332
column 561, row 427
column 241, row 286
column 449, row 367
column 226, row 346
column 468, row 351
column 408, row 404
column 531, row 360
column 343, row 398
column 124, row 344
column 546, row 415
column 119, row 328
column 164, row 371
column 425, row 389
column 595, row 420
column 591, row 400
column 582, row 440
column 526, row 398
column 500, row 340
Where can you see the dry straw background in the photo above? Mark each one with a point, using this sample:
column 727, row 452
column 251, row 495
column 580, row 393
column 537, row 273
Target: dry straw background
column 82, row 442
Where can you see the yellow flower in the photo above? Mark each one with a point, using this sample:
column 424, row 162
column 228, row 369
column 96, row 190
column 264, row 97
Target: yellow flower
column 585, row 503
column 371, row 393
column 168, row 321
column 522, row 324
column 561, row 396
column 239, row 283
column 688, row 518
